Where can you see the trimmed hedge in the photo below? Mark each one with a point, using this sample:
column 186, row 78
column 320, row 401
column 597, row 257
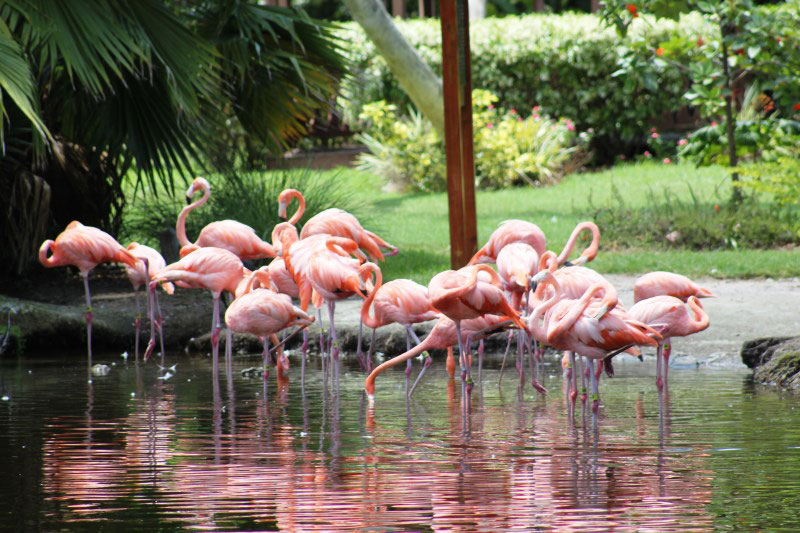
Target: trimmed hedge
column 570, row 65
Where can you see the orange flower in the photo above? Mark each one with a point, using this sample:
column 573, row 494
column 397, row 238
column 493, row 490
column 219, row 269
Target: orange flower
column 700, row 43
column 659, row 52
column 632, row 10
column 716, row 208
column 796, row 107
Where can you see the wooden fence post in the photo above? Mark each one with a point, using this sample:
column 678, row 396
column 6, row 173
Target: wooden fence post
column 457, row 88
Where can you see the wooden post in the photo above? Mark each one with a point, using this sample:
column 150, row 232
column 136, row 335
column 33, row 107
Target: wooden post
column 399, row 8
column 538, row 5
column 457, row 87
column 595, row 6
column 421, row 6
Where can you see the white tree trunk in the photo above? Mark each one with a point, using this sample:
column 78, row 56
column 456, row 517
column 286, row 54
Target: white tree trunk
column 477, row 9
column 414, row 75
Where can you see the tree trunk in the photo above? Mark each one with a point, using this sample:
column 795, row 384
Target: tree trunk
column 730, row 120
column 399, row 8
column 414, row 75
column 477, row 9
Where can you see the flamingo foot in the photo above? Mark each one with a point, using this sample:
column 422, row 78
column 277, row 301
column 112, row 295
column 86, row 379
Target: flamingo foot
column 151, row 345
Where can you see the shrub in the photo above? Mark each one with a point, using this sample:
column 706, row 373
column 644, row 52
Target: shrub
column 698, row 224
column 779, row 178
column 509, row 149
column 251, row 198
column 569, row 65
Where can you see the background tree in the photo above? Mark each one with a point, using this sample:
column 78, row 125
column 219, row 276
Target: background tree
column 145, row 88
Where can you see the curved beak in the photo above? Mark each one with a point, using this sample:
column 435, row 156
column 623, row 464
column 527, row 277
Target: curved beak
column 603, row 310
column 282, row 210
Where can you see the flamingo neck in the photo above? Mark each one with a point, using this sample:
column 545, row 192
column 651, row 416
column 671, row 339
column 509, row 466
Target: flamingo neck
column 43, row 250
column 371, row 322
column 427, row 344
column 537, row 330
column 699, row 317
column 548, row 261
column 590, row 252
column 180, row 228
column 576, row 311
column 301, row 207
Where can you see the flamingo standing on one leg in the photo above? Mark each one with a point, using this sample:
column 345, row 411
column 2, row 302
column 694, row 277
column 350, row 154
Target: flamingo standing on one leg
column 573, row 325
column 140, row 275
column 237, row 238
column 671, row 318
column 399, row 301
column 209, row 268
column 84, row 247
column 334, row 222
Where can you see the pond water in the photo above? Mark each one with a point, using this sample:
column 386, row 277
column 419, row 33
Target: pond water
column 135, row 452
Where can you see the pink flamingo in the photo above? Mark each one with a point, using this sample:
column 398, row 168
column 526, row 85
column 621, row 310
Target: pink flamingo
column 671, row 317
column 239, row 239
column 442, row 336
column 140, row 275
column 263, row 312
column 521, row 231
column 281, row 279
column 334, row 275
column 461, row 295
column 400, row 301
column 576, row 280
column 669, row 284
column 572, row 325
column 334, row 222
column 211, row 268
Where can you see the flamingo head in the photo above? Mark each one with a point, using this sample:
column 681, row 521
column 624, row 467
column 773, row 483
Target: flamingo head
column 199, row 184
column 282, row 210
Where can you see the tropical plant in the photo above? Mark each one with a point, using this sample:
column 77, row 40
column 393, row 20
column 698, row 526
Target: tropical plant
column 148, row 87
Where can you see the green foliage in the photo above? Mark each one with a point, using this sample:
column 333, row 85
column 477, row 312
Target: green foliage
column 668, row 221
column 755, row 139
column 250, row 198
column 509, row 150
column 569, row 65
column 779, row 178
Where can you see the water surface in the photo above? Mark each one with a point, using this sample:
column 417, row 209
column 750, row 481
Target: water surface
column 133, row 451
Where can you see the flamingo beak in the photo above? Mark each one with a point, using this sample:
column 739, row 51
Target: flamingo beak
column 282, row 210
column 582, row 260
column 601, row 313
column 539, row 277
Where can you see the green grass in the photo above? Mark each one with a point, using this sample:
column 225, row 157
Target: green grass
column 418, row 224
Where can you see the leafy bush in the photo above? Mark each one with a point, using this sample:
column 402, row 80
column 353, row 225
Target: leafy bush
column 779, row 178
column 251, row 198
column 509, row 149
column 698, row 224
column 569, row 65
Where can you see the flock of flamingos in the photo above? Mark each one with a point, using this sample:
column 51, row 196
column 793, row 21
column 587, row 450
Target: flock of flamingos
column 541, row 297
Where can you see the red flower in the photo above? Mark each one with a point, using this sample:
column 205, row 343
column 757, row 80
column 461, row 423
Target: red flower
column 716, row 208
column 778, row 40
column 700, row 43
column 632, row 10
column 713, row 123
column 513, row 111
column 739, row 51
column 667, row 160
column 659, row 52
column 796, row 107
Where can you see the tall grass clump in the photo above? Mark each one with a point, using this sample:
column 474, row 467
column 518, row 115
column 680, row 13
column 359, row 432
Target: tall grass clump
column 250, row 198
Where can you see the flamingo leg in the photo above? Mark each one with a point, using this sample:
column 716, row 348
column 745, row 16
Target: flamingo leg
column 215, row 331
column 409, row 363
column 138, row 320
column 505, row 354
column 428, row 362
column 334, row 351
column 573, row 393
column 303, row 358
column 667, row 353
column 659, row 363
column 466, row 385
column 265, row 359
column 228, row 341
column 584, row 366
column 359, row 351
column 480, row 359
column 321, row 332
column 534, row 365
column 595, row 388
column 159, row 324
column 371, row 350
column 520, row 362
column 89, row 317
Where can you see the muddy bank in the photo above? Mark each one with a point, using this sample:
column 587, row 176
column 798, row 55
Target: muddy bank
column 774, row 360
column 51, row 315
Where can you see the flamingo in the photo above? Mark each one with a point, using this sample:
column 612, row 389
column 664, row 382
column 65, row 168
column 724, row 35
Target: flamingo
column 461, row 295
column 399, row 301
column 237, row 238
column 140, row 275
column 671, row 317
column 514, row 230
column 263, row 312
column 84, row 247
column 667, row 283
column 573, row 325
column 334, row 222
column 442, row 336
column 211, row 268
column 334, row 275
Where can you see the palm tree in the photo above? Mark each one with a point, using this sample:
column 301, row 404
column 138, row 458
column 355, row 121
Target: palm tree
column 91, row 91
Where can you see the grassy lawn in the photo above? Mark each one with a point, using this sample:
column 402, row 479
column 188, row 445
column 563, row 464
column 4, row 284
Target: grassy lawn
column 418, row 224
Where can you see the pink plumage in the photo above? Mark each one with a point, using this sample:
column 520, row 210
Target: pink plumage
column 263, row 312
column 84, row 247
column 155, row 262
column 508, row 232
column 209, row 268
column 669, row 284
column 400, row 301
